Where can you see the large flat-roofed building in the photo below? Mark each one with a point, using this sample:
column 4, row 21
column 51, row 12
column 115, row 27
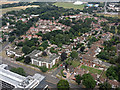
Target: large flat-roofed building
column 12, row 80
column 38, row 59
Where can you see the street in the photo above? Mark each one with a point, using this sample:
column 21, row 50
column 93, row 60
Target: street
column 2, row 46
column 49, row 80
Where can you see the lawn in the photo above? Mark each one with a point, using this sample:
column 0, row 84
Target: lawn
column 75, row 63
column 90, row 69
column 69, row 5
column 16, row 8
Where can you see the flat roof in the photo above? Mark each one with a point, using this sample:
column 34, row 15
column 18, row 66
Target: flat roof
column 10, row 77
column 49, row 58
column 17, row 80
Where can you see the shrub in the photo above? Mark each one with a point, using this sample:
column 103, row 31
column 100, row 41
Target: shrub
column 63, row 73
column 20, row 58
column 43, row 68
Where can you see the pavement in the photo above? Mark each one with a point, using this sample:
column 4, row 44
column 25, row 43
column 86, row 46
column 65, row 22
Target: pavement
column 51, row 80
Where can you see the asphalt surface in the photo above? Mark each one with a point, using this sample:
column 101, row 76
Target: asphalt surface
column 3, row 46
column 50, row 79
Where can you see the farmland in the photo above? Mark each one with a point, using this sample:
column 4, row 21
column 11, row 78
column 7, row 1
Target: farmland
column 8, row 2
column 109, row 15
column 69, row 5
column 16, row 8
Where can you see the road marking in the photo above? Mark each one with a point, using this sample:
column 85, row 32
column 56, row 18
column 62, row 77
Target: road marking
column 53, row 76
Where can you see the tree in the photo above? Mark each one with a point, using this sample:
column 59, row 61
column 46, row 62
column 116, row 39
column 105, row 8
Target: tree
column 27, row 60
column 78, row 79
column 82, row 48
column 105, row 86
column 63, row 85
column 11, row 38
column 44, row 53
column 63, row 56
column 25, row 49
column 113, row 72
column 74, row 54
column 43, row 68
column 18, row 71
column 88, row 81
column 19, row 58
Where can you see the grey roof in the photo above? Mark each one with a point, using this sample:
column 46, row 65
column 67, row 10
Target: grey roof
column 18, row 80
column 10, row 77
column 16, row 51
column 49, row 58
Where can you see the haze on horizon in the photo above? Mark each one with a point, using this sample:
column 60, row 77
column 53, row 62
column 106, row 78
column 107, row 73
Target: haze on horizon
column 65, row 0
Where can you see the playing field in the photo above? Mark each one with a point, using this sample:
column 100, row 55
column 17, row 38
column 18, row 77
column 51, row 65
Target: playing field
column 16, row 8
column 69, row 5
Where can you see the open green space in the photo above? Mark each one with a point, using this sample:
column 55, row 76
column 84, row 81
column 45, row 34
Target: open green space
column 69, row 5
column 16, row 8
column 90, row 69
column 108, row 15
column 75, row 63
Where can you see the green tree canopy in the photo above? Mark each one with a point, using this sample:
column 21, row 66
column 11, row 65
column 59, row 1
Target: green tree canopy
column 113, row 72
column 78, row 79
column 74, row 54
column 27, row 60
column 88, row 81
column 63, row 85
column 63, row 56
column 105, row 86
column 25, row 49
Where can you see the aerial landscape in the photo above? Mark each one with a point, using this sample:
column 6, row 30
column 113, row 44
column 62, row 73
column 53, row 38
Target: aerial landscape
column 61, row 45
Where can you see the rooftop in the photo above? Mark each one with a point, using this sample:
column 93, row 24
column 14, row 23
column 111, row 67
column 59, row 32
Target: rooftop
column 36, row 54
column 17, row 80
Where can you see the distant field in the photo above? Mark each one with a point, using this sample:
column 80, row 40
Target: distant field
column 16, row 8
column 108, row 15
column 8, row 2
column 69, row 5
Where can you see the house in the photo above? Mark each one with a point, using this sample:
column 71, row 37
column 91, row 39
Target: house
column 118, row 49
column 14, row 52
column 79, row 71
column 38, row 59
column 114, row 83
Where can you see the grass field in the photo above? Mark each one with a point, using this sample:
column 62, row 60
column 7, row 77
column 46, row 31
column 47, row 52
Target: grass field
column 75, row 63
column 69, row 5
column 16, row 8
column 7, row 2
column 90, row 69
column 108, row 15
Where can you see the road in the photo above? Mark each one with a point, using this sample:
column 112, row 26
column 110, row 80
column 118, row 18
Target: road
column 50, row 79
column 3, row 46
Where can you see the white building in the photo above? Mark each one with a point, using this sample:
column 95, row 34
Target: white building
column 39, row 60
column 78, row 3
column 18, row 81
column 15, row 52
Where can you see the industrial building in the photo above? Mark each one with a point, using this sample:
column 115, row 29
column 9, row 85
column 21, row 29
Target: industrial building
column 10, row 80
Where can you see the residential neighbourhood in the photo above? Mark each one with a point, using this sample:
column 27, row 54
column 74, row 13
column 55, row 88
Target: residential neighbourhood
column 61, row 46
